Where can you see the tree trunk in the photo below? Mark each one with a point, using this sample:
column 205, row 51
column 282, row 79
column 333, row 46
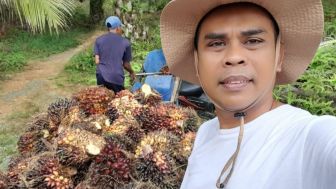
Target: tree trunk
column 96, row 11
column 3, row 29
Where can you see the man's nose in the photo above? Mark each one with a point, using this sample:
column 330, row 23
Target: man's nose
column 233, row 55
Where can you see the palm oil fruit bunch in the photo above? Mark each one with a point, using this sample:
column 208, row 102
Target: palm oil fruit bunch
column 125, row 103
column 114, row 163
column 42, row 171
column 58, row 110
column 3, row 181
column 100, row 140
column 184, row 147
column 156, row 168
column 75, row 146
column 34, row 140
column 94, row 100
column 151, row 118
column 30, row 143
column 153, row 159
column 146, row 95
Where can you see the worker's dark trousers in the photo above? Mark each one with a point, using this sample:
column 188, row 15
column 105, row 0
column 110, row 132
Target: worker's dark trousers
column 111, row 86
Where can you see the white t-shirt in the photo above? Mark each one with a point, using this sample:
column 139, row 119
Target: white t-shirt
column 286, row 148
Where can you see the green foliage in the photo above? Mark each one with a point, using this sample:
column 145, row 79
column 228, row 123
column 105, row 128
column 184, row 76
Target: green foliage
column 81, row 69
column 19, row 46
column 38, row 15
column 81, row 16
column 315, row 90
column 330, row 18
column 149, row 5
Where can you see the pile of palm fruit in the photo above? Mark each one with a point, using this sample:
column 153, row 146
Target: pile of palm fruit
column 98, row 139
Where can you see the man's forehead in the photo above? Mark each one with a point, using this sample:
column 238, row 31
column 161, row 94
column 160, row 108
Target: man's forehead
column 236, row 10
column 248, row 18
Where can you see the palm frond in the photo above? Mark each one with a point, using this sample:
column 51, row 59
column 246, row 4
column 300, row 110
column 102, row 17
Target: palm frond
column 40, row 14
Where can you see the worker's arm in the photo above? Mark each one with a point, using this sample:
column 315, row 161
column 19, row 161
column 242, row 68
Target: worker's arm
column 96, row 52
column 97, row 59
column 128, row 67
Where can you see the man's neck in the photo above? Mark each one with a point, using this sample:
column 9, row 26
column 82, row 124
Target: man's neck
column 228, row 121
column 113, row 31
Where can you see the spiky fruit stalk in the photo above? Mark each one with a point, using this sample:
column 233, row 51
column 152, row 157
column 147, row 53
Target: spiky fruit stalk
column 94, row 100
column 58, row 110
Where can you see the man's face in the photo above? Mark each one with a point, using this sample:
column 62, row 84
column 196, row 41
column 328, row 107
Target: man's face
column 236, row 57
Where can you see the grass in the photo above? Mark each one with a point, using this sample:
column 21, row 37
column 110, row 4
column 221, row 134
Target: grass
column 10, row 129
column 18, row 47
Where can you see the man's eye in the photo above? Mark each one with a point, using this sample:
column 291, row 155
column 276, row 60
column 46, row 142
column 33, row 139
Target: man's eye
column 253, row 41
column 216, row 44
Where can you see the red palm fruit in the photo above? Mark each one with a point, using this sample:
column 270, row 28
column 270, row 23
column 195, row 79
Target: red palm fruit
column 46, row 171
column 152, row 118
column 94, row 100
column 111, row 168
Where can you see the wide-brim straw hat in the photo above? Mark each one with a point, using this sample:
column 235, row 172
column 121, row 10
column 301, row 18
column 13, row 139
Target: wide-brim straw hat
column 300, row 23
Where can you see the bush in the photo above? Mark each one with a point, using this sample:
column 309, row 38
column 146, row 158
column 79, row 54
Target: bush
column 315, row 90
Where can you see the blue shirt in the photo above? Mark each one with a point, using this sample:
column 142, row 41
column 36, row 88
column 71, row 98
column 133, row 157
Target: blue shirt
column 113, row 51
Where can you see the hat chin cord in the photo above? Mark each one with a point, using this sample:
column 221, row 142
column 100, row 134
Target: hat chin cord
column 240, row 114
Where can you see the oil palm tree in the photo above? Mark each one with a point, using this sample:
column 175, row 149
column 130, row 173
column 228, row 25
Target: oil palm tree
column 37, row 15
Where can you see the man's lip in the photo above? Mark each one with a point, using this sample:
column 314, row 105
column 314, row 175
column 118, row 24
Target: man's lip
column 235, row 79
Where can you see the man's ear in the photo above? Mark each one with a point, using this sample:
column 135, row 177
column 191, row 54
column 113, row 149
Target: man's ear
column 281, row 57
column 196, row 62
